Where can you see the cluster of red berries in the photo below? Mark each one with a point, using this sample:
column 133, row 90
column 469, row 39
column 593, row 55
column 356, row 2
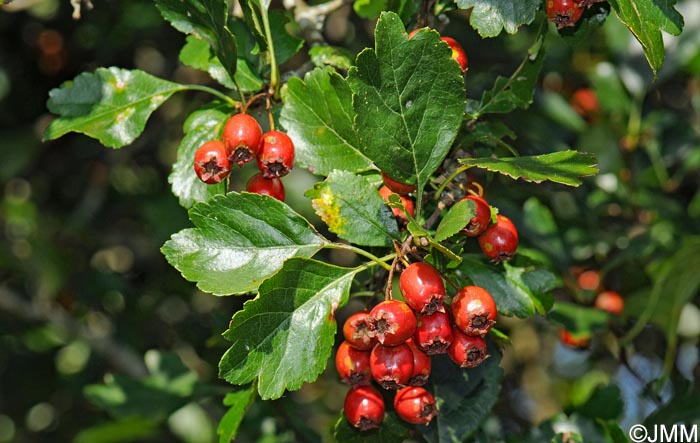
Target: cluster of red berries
column 243, row 141
column 605, row 300
column 392, row 344
column 565, row 13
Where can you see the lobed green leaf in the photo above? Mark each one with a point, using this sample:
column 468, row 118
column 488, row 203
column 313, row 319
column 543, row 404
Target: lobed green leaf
column 284, row 337
column 490, row 17
column 238, row 241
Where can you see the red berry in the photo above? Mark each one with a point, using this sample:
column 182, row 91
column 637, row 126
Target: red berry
column 391, row 366
column 364, row 407
column 467, row 351
column 266, row 186
column 385, row 192
column 458, row 53
column 588, row 280
column 242, row 135
column 610, row 301
column 393, row 322
column 580, row 341
column 398, row 187
column 357, row 331
column 211, row 162
column 276, row 156
column 415, row 405
column 473, row 310
column 434, row 333
column 500, row 240
column 422, row 288
column 481, row 219
column 414, row 32
column 564, row 13
column 585, row 102
column 352, row 365
column 421, row 365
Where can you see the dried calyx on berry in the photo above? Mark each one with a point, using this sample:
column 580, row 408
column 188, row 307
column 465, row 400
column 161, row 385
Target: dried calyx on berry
column 393, row 322
column 415, row 405
column 211, row 162
column 467, row 351
column 357, row 331
column 422, row 288
column 434, row 333
column 276, row 156
column 364, row 408
column 473, row 310
column 500, row 240
column 353, row 365
column 391, row 366
column 564, row 13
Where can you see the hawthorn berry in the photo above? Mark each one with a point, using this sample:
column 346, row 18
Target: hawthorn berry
column 357, row 331
column 564, row 13
column 610, row 301
column 458, row 53
column 500, row 240
column 588, row 280
column 266, row 186
column 396, row 186
column 385, row 192
column 473, row 310
column 364, row 407
column 579, row 341
column 467, row 351
column 481, row 219
column 415, row 405
column 434, row 333
column 276, row 156
column 422, row 288
column 242, row 136
column 353, row 365
column 211, row 163
column 585, row 102
column 393, row 322
column 391, row 366
column 421, row 365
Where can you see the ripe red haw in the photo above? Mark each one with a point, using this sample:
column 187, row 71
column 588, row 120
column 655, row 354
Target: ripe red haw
column 364, row 408
column 500, row 240
column 391, row 366
column 458, row 53
column 393, row 322
column 481, row 219
column 415, row 405
column 422, row 288
column 266, row 186
column 385, row 192
column 564, row 13
column 396, row 186
column 610, row 301
column 357, row 331
column 434, row 333
column 242, row 136
column 585, row 102
column 422, row 365
column 276, row 156
column 579, row 341
column 473, row 310
column 353, row 365
column 467, row 351
column 211, row 162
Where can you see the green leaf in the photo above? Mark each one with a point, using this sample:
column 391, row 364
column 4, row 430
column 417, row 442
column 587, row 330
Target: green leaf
column 119, row 431
column 369, row 8
column 201, row 126
column 409, row 101
column 563, row 167
column 111, row 105
column 682, row 408
column 490, row 133
column 577, row 319
column 286, row 45
column 336, row 56
column 392, row 430
column 353, row 209
column 238, row 403
column 318, row 116
column 238, row 241
column 518, row 291
column 516, row 91
column 604, row 404
column 464, row 397
column 490, row 17
column 207, row 19
column 455, row 220
column 284, row 336
column 169, row 386
column 197, row 54
column 646, row 19
column 613, row 430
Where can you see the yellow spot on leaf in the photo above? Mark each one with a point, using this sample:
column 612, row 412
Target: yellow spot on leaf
column 327, row 208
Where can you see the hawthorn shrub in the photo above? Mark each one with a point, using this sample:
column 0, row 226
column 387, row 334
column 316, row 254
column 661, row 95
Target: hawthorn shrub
column 420, row 160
